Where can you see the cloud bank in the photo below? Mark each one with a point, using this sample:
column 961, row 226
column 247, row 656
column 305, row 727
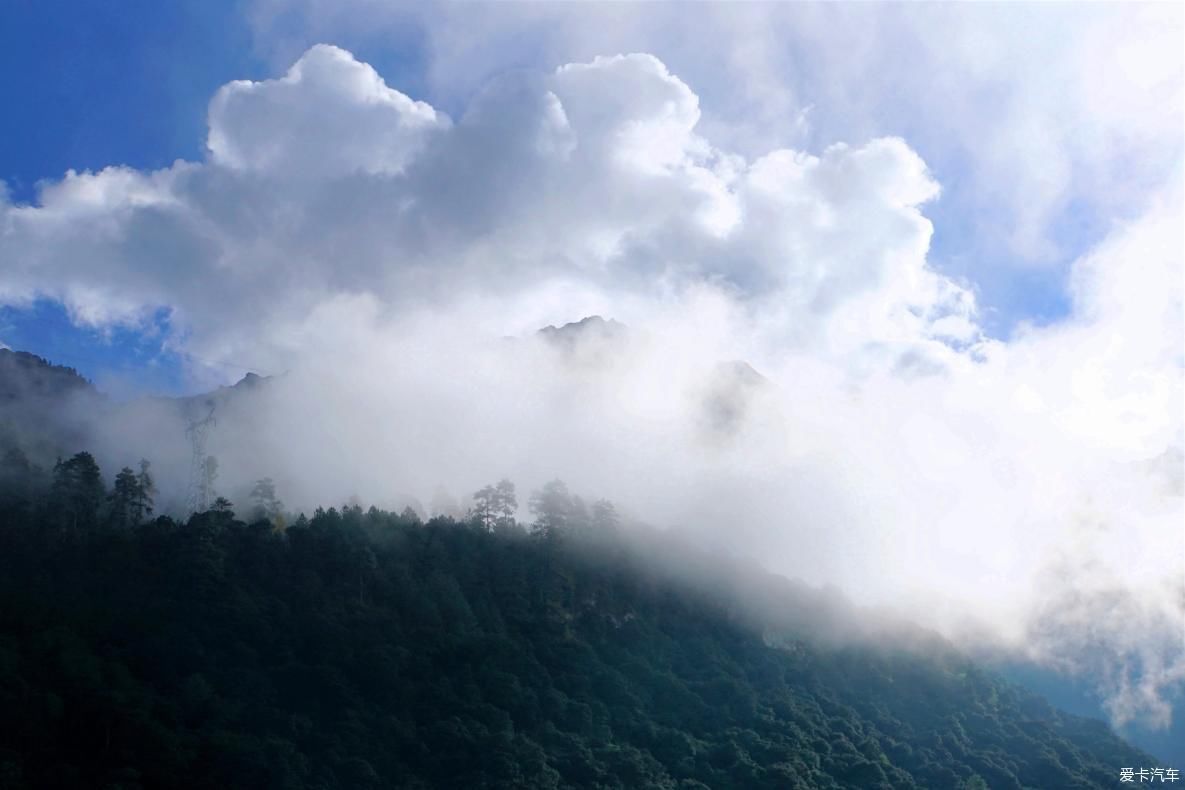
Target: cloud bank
column 1035, row 116
column 1026, row 492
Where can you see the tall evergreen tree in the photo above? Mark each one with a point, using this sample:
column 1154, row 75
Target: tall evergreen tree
column 77, row 491
column 494, row 506
column 505, row 505
column 483, row 507
column 123, row 507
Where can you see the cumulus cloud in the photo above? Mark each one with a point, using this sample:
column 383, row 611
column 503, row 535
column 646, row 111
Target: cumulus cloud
column 1041, row 121
column 329, row 115
column 382, row 251
column 326, row 181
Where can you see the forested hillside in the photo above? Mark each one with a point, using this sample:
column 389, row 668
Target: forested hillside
column 367, row 649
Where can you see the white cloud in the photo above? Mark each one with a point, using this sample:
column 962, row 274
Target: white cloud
column 328, row 116
column 327, row 181
column 342, row 230
column 1033, row 115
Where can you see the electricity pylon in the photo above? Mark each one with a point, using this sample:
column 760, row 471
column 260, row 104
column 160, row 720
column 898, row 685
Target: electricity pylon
column 201, row 477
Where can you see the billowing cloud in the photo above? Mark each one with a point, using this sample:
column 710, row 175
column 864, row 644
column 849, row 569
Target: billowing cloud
column 325, row 181
column 328, row 116
column 1042, row 122
column 381, row 251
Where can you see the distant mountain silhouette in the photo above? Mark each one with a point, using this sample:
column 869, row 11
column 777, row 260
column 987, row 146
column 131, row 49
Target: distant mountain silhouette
column 727, row 395
column 49, row 411
column 24, row 375
column 45, row 409
column 730, row 394
column 591, row 328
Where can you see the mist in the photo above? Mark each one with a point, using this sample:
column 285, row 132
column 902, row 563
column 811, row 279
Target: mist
column 1022, row 493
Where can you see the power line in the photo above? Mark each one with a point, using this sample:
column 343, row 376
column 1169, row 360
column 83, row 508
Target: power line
column 229, row 364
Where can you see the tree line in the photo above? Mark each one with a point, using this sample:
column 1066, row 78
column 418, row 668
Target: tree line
column 75, row 496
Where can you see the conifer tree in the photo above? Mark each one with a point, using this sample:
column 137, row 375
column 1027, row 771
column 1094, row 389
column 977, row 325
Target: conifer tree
column 124, row 498
column 505, row 504
column 77, row 490
column 494, row 506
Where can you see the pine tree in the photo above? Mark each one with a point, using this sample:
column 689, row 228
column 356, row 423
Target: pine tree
column 123, row 499
column 494, row 506
column 77, row 490
column 505, row 505
column 483, row 507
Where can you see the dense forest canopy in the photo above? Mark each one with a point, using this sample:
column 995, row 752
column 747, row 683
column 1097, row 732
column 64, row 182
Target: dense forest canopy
column 362, row 648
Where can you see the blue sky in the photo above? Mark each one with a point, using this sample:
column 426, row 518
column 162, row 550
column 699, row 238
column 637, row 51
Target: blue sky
column 97, row 84
column 127, row 83
column 121, row 362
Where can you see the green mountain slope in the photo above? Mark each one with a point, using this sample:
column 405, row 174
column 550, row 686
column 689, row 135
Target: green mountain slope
column 363, row 649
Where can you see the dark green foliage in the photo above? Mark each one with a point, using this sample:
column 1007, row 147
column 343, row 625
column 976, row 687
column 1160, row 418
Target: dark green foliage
column 124, row 499
column 77, row 491
column 364, row 649
column 130, row 500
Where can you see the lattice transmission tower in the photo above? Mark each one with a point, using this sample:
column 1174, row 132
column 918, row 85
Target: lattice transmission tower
column 201, row 466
